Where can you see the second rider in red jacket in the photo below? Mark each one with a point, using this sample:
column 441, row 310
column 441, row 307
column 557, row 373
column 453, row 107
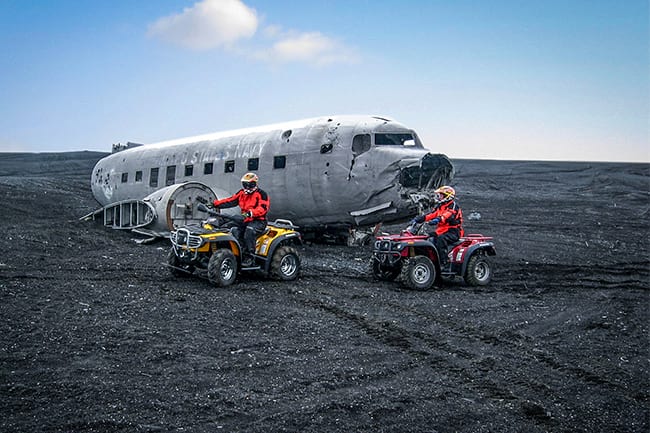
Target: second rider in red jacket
column 447, row 216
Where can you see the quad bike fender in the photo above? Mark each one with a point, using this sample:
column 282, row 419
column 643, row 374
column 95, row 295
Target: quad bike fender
column 267, row 247
column 225, row 241
column 422, row 247
column 463, row 255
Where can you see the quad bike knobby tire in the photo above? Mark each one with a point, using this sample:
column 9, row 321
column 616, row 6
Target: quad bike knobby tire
column 222, row 268
column 384, row 273
column 285, row 264
column 419, row 273
column 479, row 270
column 176, row 267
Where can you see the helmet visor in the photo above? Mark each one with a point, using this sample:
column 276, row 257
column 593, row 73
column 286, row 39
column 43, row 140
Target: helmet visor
column 249, row 185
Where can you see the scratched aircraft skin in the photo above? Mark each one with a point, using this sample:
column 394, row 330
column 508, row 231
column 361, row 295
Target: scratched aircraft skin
column 326, row 173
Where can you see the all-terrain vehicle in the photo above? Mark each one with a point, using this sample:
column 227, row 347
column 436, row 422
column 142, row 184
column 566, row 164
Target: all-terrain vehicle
column 412, row 256
column 212, row 246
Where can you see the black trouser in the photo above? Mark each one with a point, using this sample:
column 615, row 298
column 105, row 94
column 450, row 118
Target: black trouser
column 247, row 234
column 442, row 241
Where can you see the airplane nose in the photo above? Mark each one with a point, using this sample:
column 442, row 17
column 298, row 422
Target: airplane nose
column 428, row 173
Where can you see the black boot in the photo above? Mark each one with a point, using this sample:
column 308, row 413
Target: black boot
column 247, row 260
column 444, row 262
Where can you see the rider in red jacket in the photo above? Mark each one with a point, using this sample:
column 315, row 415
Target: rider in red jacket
column 254, row 204
column 447, row 216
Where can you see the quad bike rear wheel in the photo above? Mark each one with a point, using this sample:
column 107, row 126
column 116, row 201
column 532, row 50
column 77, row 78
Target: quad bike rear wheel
column 479, row 270
column 222, row 268
column 419, row 273
column 285, row 264
column 176, row 267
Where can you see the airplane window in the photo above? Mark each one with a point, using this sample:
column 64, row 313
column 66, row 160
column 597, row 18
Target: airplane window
column 125, row 177
column 189, row 170
column 153, row 177
column 327, row 147
column 207, row 168
column 279, row 161
column 138, row 176
column 253, row 164
column 171, row 175
column 392, row 139
column 286, row 134
column 230, row 167
column 360, row 143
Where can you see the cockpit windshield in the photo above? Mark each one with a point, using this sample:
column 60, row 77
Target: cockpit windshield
column 394, row 139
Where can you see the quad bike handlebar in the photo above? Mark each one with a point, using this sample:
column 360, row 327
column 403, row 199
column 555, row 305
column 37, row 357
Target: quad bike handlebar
column 203, row 208
column 222, row 218
column 416, row 229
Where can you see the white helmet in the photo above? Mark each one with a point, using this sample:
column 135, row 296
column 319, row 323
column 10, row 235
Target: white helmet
column 444, row 194
column 249, row 182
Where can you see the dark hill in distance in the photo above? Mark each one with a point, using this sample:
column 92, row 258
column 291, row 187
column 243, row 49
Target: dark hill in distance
column 41, row 164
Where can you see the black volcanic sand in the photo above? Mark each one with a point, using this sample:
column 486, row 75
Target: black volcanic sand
column 96, row 336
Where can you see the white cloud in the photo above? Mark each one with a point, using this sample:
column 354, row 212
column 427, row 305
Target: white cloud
column 208, row 24
column 213, row 24
column 313, row 48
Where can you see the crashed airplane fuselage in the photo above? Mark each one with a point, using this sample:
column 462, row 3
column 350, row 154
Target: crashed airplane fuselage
column 321, row 173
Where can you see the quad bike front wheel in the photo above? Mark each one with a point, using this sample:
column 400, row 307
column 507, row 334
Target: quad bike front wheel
column 479, row 270
column 419, row 273
column 222, row 268
column 177, row 267
column 285, row 264
column 382, row 272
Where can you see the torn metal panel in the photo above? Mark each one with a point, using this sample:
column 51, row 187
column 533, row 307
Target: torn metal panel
column 363, row 215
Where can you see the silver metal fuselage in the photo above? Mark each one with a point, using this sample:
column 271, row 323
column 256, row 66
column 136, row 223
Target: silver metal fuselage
column 315, row 171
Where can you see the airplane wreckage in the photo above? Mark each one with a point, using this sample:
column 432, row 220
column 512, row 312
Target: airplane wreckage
column 330, row 176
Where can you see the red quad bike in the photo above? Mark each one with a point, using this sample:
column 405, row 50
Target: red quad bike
column 413, row 256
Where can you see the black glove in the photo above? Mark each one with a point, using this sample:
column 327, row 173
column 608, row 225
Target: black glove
column 417, row 220
column 247, row 213
column 434, row 221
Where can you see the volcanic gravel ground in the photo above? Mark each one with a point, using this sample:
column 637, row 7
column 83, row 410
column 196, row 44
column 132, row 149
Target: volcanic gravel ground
column 97, row 336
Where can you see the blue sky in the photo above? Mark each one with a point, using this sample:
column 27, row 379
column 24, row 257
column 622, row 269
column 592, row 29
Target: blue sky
column 549, row 80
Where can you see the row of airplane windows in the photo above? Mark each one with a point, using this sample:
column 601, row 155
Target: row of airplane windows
column 208, row 168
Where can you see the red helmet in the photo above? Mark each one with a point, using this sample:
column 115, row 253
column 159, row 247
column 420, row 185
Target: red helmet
column 444, row 194
column 249, row 182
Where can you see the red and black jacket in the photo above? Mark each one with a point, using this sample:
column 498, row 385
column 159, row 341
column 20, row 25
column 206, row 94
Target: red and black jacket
column 450, row 215
column 256, row 202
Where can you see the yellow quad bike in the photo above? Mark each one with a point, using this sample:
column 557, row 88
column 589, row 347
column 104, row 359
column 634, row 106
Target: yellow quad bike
column 211, row 246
